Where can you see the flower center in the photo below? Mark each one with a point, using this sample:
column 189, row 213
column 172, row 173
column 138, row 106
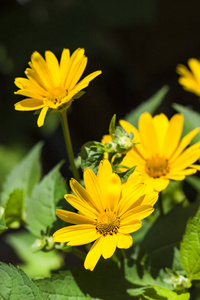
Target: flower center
column 157, row 166
column 107, row 223
column 56, row 95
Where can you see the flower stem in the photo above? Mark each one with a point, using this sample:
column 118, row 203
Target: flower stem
column 160, row 201
column 78, row 253
column 68, row 144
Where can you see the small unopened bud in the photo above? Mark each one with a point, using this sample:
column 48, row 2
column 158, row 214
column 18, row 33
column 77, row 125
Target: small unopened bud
column 124, row 144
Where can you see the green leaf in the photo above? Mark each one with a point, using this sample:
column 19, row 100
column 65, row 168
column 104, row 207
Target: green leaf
column 41, row 206
column 160, row 293
column 191, row 120
column 190, row 248
column 24, row 176
column 14, row 209
column 148, row 106
column 157, row 247
column 35, row 264
column 62, row 286
column 125, row 175
column 15, row 284
column 91, row 154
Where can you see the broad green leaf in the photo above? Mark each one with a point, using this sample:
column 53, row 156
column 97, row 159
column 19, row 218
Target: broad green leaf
column 160, row 293
column 190, row 248
column 14, row 209
column 191, row 120
column 148, row 106
column 157, row 247
column 24, row 176
column 62, row 286
column 15, row 284
column 35, row 263
column 91, row 156
column 194, row 181
column 41, row 206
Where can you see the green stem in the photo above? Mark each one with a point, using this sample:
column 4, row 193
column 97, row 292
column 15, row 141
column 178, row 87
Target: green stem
column 68, row 144
column 160, row 201
column 78, row 253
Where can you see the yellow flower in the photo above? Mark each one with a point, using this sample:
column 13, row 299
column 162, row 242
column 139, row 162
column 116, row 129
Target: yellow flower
column 190, row 80
column 107, row 212
column 50, row 85
column 159, row 153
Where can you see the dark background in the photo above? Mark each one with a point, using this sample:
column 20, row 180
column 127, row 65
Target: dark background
column 136, row 43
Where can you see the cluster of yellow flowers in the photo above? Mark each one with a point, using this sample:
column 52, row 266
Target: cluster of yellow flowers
column 108, row 211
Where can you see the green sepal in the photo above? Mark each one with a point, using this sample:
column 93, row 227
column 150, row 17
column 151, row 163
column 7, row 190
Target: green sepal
column 112, row 127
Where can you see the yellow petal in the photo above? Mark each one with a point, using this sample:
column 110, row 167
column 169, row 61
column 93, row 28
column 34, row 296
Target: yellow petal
column 26, row 84
column 64, row 63
column 85, row 81
column 150, row 198
column 113, row 191
column 82, row 206
column 188, row 157
column 137, row 139
column 53, row 66
column 104, row 172
column 136, row 213
column 134, row 179
column 176, row 177
column 65, row 234
column 109, row 245
column 128, row 228
column 160, row 184
column 161, row 124
column 124, row 241
column 93, row 188
column 173, row 135
column 106, row 139
column 84, row 195
column 190, row 85
column 42, row 116
column 29, row 104
column 77, row 55
column 93, row 255
column 30, row 93
column 40, row 66
column 195, row 68
column 148, row 134
column 183, row 71
column 35, row 78
column 131, row 199
column 184, row 143
column 83, row 239
column 73, row 218
column 77, row 73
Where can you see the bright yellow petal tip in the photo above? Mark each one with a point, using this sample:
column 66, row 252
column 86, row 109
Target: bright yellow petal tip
column 107, row 214
column 50, row 85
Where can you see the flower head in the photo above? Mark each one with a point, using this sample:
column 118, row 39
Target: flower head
column 107, row 212
column 190, row 80
column 50, row 85
column 159, row 153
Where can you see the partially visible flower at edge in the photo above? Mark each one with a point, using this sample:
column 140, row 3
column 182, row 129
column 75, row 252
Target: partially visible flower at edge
column 159, row 154
column 52, row 86
column 107, row 212
column 190, row 80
